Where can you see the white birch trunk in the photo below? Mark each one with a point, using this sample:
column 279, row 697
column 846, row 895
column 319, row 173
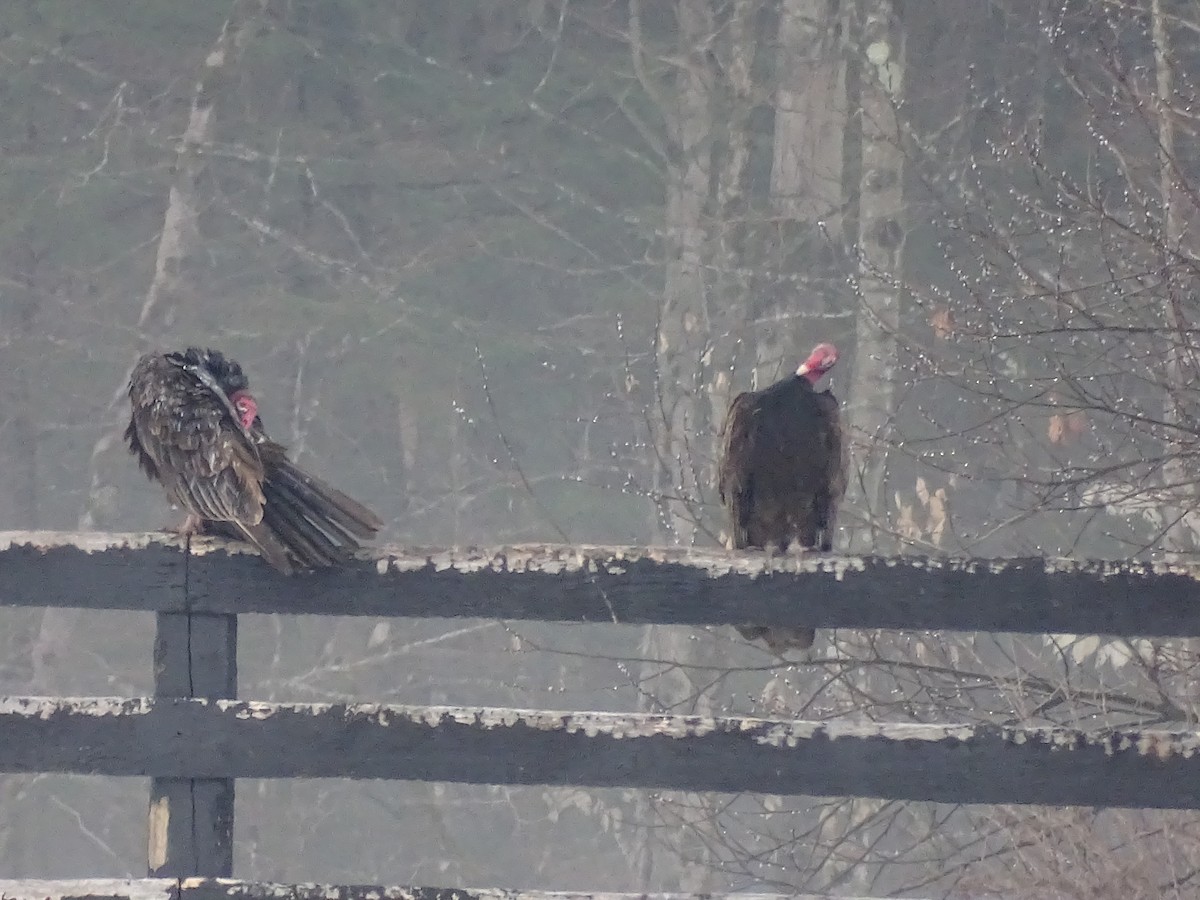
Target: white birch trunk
column 811, row 116
column 881, row 234
column 683, row 323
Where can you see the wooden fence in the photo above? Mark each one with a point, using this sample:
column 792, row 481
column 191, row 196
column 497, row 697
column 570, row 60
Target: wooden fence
column 194, row 738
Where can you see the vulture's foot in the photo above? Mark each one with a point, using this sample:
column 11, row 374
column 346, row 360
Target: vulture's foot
column 192, row 524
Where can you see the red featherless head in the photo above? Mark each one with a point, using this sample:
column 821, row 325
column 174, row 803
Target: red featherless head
column 246, row 406
column 823, row 358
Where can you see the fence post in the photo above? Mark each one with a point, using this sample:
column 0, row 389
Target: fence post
column 191, row 820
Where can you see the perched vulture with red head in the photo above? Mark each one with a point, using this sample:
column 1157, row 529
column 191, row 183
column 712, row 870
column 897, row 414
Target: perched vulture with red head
column 783, row 472
column 195, row 429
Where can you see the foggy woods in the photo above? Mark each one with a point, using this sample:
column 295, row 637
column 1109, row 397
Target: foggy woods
column 498, row 269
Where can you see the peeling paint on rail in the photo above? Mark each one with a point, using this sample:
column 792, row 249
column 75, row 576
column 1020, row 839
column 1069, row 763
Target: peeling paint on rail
column 88, row 888
column 556, row 559
column 1158, row 743
column 46, row 707
column 609, row 584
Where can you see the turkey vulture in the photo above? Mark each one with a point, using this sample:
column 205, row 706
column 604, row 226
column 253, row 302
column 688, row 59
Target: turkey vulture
column 783, row 472
column 195, row 429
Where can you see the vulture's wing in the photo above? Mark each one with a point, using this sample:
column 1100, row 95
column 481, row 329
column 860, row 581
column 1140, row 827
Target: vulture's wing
column 835, row 468
column 320, row 525
column 835, row 445
column 187, row 436
column 735, row 476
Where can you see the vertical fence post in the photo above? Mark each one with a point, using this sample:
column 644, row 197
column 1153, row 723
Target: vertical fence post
column 191, row 820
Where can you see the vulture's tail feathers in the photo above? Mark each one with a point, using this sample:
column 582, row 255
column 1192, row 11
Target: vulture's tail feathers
column 324, row 504
column 312, row 547
column 269, row 545
column 319, row 525
column 306, row 523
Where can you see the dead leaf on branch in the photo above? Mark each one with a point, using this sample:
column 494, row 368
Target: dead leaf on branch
column 937, row 515
column 926, row 519
column 1056, row 429
column 942, row 323
column 1065, row 428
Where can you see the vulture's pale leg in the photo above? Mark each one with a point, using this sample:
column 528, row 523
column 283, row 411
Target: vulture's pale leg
column 192, row 524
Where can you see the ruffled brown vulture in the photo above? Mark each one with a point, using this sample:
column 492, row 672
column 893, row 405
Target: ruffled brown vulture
column 783, row 473
column 195, row 429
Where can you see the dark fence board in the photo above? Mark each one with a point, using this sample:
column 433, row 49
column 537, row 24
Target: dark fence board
column 947, row 763
column 195, row 655
column 92, row 570
column 603, row 584
column 190, row 823
column 230, row 889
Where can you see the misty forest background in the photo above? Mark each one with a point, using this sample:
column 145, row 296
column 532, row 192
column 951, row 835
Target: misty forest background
column 498, row 267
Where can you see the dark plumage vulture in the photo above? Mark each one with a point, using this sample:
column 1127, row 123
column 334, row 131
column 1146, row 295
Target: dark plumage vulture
column 195, row 429
column 783, row 472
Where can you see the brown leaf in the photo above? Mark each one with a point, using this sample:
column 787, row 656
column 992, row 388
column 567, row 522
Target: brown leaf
column 1056, row 429
column 1065, row 428
column 942, row 322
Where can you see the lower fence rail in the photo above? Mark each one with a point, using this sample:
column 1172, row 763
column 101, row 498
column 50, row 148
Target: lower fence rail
column 196, row 738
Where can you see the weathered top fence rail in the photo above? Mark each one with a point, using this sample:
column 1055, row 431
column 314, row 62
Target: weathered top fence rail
column 157, row 572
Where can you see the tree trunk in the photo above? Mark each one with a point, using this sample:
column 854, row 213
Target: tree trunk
column 737, row 254
column 810, row 113
column 682, row 416
column 806, row 193
column 1183, row 521
column 708, row 118
column 881, row 233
